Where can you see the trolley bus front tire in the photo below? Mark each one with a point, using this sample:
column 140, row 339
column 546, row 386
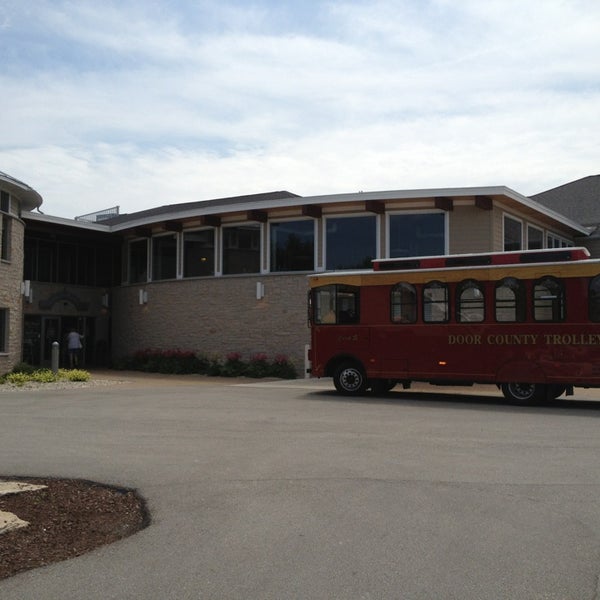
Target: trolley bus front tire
column 349, row 379
column 524, row 393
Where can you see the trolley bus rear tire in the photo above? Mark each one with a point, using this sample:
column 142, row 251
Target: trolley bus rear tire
column 349, row 379
column 524, row 393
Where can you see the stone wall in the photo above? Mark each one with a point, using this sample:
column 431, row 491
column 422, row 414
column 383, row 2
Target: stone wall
column 214, row 316
column 11, row 275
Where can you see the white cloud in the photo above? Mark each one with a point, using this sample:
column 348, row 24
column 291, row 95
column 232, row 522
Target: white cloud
column 172, row 102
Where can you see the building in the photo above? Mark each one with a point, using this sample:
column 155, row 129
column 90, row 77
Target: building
column 16, row 198
column 229, row 275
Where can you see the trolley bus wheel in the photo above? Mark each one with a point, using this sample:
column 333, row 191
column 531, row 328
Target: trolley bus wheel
column 519, row 393
column 382, row 386
column 349, row 379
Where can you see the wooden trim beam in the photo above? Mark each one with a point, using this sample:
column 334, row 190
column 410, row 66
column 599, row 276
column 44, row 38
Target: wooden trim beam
column 144, row 232
column 210, row 220
column 444, row 203
column 375, row 206
column 312, row 210
column 173, row 226
column 257, row 215
column 484, row 202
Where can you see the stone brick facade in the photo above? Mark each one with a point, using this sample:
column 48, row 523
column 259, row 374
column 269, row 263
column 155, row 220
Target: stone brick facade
column 11, row 275
column 215, row 316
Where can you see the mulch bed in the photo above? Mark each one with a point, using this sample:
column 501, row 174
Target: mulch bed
column 68, row 518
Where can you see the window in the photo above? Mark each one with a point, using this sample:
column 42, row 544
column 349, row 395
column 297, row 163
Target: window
column 510, row 301
column 5, row 237
column 548, row 300
column 241, row 249
column 555, row 241
column 336, row 305
column 292, row 246
column 594, row 299
column 535, row 238
column 164, row 257
column 403, row 303
column 138, row 261
column 4, row 202
column 350, row 242
column 417, row 234
column 435, row 302
column 199, row 253
column 470, row 306
column 3, row 329
column 513, row 234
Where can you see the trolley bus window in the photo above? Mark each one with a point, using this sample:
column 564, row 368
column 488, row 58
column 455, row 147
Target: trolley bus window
column 470, row 302
column 404, row 303
column 435, row 302
column 548, row 300
column 594, row 299
column 336, row 305
column 510, row 300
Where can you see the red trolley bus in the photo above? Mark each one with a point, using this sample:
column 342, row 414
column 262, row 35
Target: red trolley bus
column 527, row 321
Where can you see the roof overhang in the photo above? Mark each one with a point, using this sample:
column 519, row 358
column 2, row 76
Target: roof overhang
column 28, row 198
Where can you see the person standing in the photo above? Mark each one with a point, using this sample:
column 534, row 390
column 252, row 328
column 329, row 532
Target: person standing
column 74, row 346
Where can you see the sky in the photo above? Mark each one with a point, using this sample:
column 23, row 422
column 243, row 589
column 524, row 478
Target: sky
column 142, row 103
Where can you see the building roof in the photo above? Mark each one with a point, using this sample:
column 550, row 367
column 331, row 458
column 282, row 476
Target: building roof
column 190, row 207
column 578, row 200
column 27, row 196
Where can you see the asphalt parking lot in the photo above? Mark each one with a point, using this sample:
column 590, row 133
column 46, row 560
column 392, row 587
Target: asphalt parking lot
column 284, row 489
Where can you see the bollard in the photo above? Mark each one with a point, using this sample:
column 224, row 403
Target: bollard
column 54, row 357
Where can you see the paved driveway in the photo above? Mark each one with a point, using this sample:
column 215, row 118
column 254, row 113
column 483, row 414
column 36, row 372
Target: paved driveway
column 286, row 490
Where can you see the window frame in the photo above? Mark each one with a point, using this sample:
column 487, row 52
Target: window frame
column 557, row 305
column 130, row 243
column 426, row 303
column 153, row 262
column 540, row 230
column 270, row 240
column 388, row 237
column 413, row 306
column 335, row 290
column 4, row 329
column 508, row 217
column 260, row 249
column 353, row 215
column 517, row 286
column 462, row 308
column 214, row 251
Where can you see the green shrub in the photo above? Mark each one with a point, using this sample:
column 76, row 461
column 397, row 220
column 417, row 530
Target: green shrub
column 258, row 366
column 18, row 379
column 74, row 374
column 282, row 367
column 23, row 368
column 234, row 365
column 44, row 376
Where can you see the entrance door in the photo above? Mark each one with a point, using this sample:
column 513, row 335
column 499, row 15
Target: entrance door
column 50, row 334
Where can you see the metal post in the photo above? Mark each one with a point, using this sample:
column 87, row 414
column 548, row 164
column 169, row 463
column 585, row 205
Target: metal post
column 54, row 358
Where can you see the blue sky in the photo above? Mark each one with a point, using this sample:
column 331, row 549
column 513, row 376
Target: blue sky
column 145, row 103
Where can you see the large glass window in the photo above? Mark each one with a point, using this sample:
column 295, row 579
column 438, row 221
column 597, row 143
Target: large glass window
column 164, row 257
column 435, row 302
column 510, row 300
column 417, row 234
column 293, row 246
column 470, row 305
column 535, row 238
column 138, row 261
column 241, row 249
column 350, row 242
column 513, row 234
column 3, row 329
column 199, row 253
column 336, row 305
column 404, row 303
column 548, row 300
